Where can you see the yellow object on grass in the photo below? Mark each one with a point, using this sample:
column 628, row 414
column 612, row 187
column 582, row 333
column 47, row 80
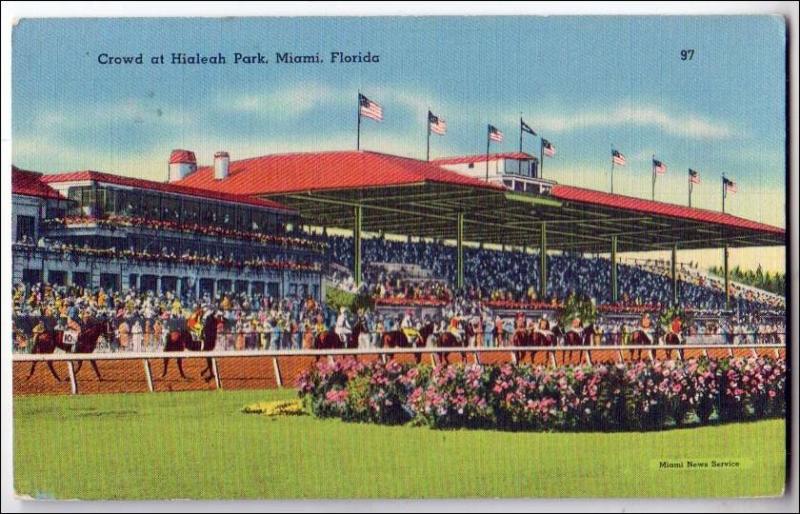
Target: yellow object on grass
column 277, row 408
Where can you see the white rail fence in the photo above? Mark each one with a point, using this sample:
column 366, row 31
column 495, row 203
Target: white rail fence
column 584, row 353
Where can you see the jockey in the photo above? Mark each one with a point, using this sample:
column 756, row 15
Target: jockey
column 544, row 326
column 408, row 328
column 455, row 328
column 646, row 327
column 73, row 327
column 195, row 323
column 675, row 328
column 519, row 322
column 319, row 326
column 343, row 329
column 576, row 325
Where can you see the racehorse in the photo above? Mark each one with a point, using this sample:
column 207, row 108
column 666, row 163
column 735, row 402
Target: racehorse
column 180, row 340
column 448, row 340
column 523, row 337
column 582, row 337
column 640, row 338
column 330, row 340
column 673, row 338
column 398, row 339
column 48, row 341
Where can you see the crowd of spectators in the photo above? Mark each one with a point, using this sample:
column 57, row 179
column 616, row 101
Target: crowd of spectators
column 141, row 320
column 512, row 277
column 115, row 221
column 171, row 255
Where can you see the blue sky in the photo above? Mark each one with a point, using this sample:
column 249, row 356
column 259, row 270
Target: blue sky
column 584, row 83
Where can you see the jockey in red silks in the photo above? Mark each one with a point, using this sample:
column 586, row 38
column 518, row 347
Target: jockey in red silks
column 675, row 328
column 455, row 328
column 519, row 322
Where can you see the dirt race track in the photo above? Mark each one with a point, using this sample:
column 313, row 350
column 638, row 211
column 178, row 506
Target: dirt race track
column 259, row 372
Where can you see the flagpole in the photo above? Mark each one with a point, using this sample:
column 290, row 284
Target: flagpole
column 691, row 187
column 428, row 123
column 653, row 187
column 612, row 170
column 724, row 190
column 519, row 162
column 358, row 130
column 488, row 141
column 541, row 156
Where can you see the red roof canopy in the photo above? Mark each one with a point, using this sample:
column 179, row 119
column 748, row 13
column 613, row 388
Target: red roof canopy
column 164, row 187
column 29, row 183
column 590, row 196
column 482, row 158
column 296, row 172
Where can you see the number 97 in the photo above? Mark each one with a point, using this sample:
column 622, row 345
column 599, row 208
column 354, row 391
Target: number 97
column 686, row 55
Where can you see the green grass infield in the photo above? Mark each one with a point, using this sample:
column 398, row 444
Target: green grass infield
column 199, row 445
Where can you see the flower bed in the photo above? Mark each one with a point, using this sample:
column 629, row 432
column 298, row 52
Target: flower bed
column 635, row 396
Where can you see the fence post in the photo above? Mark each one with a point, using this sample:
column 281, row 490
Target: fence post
column 73, row 382
column 148, row 374
column 277, row 369
column 217, row 380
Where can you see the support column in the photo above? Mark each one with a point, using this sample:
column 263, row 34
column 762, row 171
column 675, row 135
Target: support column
column 727, row 277
column 674, row 274
column 543, row 262
column 614, row 290
column 460, row 251
column 357, row 245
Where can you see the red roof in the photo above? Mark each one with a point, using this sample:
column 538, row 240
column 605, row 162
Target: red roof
column 295, row 172
column 578, row 194
column 108, row 178
column 29, row 183
column 482, row 158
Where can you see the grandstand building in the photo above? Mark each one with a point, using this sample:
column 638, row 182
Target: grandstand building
column 236, row 225
column 94, row 229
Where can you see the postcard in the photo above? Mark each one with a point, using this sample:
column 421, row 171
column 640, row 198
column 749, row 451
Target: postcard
column 399, row 257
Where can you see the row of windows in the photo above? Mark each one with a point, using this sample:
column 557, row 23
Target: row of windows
column 111, row 282
column 102, row 201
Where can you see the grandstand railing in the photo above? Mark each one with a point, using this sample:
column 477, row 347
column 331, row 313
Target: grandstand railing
column 584, row 355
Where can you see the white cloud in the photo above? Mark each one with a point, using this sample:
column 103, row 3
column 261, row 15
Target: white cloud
column 629, row 114
column 293, row 101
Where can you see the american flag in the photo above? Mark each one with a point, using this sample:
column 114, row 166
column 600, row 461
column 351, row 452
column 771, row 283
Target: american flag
column 694, row 177
column 436, row 124
column 730, row 185
column 617, row 158
column 495, row 134
column 659, row 166
column 369, row 108
column 548, row 149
